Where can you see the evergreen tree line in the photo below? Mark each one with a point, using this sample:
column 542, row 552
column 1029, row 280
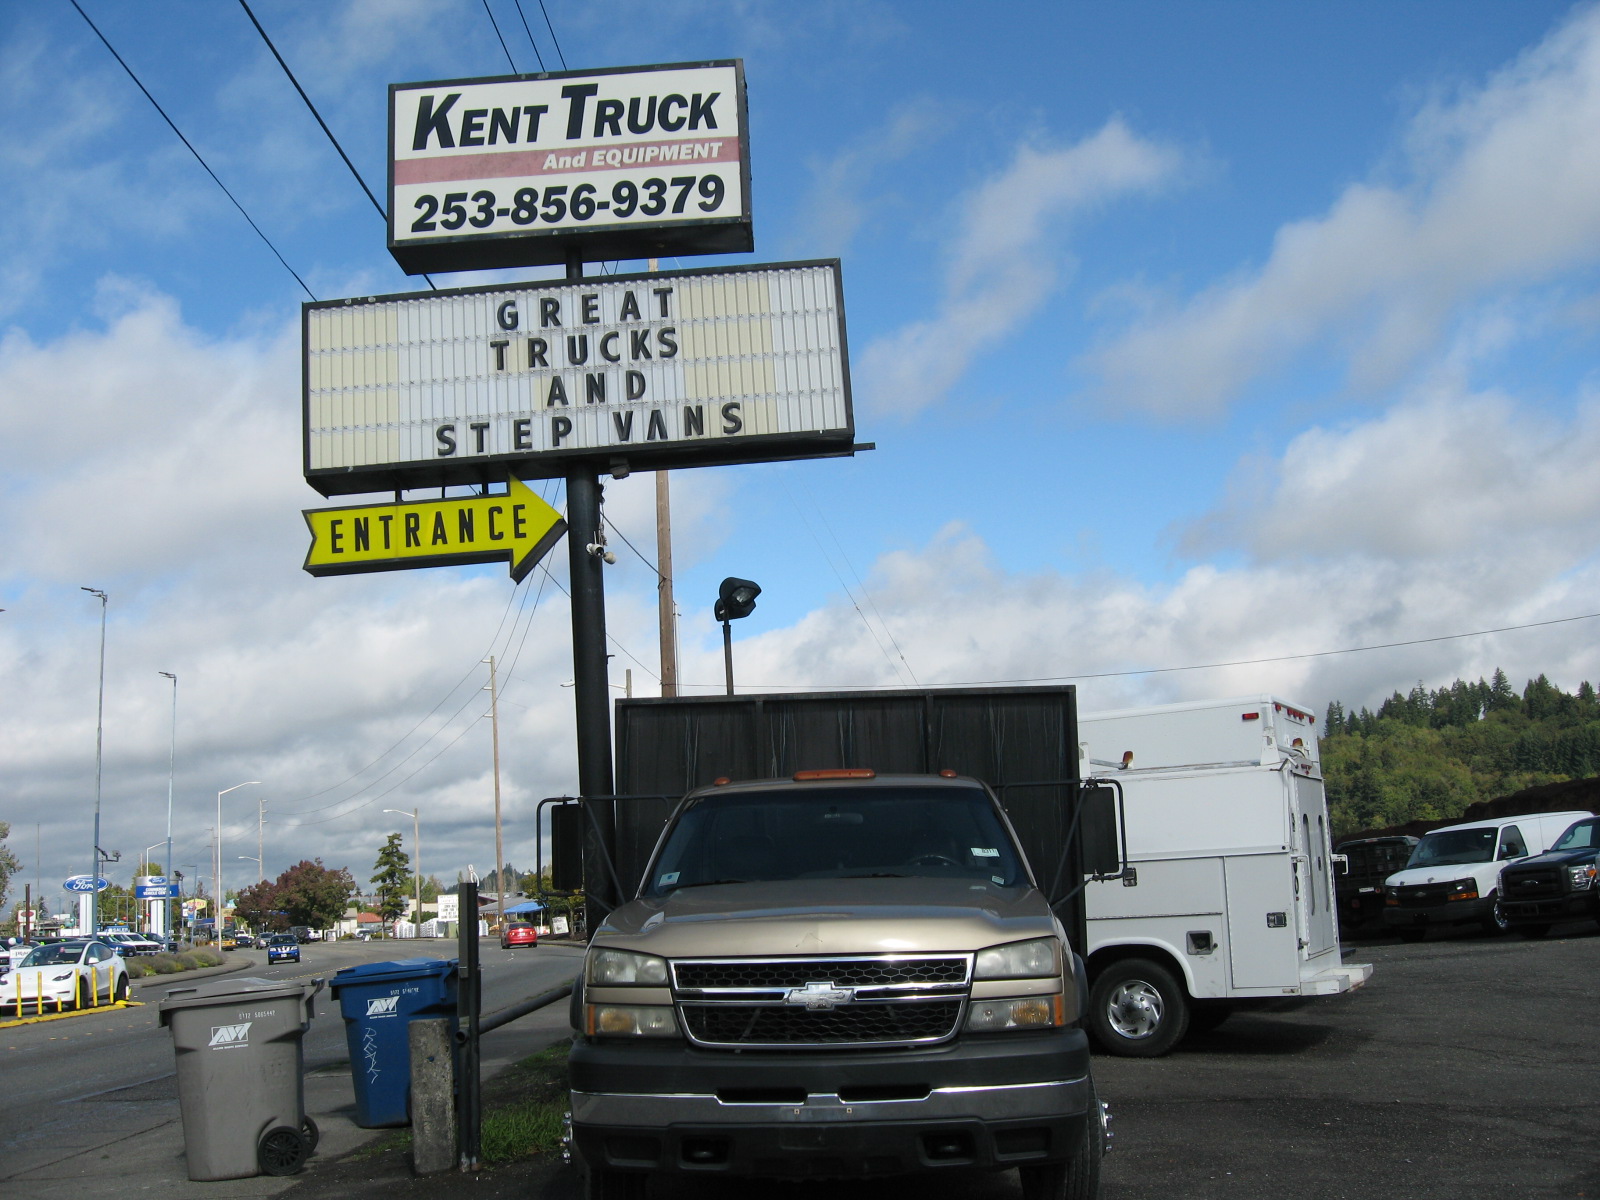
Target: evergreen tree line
column 1427, row 755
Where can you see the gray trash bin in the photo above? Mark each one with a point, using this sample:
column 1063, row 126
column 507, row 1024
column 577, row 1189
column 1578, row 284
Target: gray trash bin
column 241, row 1084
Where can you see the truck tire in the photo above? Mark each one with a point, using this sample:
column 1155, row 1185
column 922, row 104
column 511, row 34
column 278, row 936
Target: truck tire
column 1496, row 922
column 1137, row 1009
column 1079, row 1177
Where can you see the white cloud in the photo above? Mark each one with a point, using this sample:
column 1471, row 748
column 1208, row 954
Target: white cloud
column 1006, row 261
column 1501, row 196
column 1441, row 477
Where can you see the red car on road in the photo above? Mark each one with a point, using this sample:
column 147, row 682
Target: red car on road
column 518, row 933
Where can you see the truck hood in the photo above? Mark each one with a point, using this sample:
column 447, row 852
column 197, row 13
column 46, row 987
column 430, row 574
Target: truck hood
column 1556, row 858
column 829, row 916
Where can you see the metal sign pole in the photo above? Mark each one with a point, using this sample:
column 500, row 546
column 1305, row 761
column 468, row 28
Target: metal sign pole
column 468, row 1007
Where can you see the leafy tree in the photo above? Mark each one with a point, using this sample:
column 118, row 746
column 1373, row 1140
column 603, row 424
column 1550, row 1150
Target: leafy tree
column 258, row 907
column 393, row 877
column 9, row 865
column 313, row 895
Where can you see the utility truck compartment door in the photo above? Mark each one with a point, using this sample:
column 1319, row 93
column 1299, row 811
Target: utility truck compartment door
column 1263, row 941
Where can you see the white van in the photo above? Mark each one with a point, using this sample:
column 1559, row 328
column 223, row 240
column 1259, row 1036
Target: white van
column 1453, row 874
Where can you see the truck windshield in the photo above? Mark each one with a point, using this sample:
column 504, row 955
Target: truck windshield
column 1454, row 846
column 837, row 833
column 1585, row 835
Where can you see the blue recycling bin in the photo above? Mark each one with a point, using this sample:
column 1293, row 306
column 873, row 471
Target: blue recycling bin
column 378, row 1002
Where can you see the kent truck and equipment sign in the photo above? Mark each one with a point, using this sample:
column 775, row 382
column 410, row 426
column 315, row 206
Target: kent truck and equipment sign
column 529, row 169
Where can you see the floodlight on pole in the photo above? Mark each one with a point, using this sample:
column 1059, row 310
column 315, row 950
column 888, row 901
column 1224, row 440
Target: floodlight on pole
column 735, row 598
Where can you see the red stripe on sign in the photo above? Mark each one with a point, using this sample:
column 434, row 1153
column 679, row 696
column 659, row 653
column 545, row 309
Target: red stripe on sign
column 520, row 164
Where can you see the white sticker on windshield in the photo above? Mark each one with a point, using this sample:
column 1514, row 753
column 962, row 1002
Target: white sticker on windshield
column 667, row 880
column 983, row 852
column 999, row 880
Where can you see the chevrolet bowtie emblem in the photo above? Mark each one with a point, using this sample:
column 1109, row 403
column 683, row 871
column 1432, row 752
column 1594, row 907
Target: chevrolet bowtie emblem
column 819, row 996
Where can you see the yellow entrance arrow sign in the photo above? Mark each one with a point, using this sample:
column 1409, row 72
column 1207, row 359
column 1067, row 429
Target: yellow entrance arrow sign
column 518, row 526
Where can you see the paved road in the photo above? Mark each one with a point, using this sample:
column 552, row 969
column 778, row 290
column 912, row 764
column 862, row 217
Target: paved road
column 93, row 1099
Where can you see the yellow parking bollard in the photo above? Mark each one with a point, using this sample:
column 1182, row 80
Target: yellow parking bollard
column 94, row 987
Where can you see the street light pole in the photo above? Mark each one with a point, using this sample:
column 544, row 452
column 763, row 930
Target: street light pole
column 217, row 927
column 499, row 857
column 416, row 860
column 172, row 758
column 99, row 763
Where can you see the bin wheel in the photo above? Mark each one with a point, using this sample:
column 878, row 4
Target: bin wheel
column 282, row 1151
column 313, row 1134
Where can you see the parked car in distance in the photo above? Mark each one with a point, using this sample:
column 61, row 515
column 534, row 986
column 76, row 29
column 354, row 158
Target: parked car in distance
column 131, row 943
column 1358, row 884
column 230, row 939
column 67, row 975
column 282, row 947
column 518, row 933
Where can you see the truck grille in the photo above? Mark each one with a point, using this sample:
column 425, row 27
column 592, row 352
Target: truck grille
column 871, row 1022
column 797, row 972
column 848, row 1000
column 1534, row 883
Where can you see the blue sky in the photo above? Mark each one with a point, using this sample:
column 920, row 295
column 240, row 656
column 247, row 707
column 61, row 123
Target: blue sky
column 1187, row 334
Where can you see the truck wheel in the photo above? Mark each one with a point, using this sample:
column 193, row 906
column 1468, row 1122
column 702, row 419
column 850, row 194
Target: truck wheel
column 1531, row 932
column 1137, row 1009
column 1496, row 923
column 601, row 1183
column 1079, row 1178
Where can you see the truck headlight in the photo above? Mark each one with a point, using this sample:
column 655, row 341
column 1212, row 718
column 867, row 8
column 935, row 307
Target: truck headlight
column 623, row 968
column 628, row 1020
column 1038, row 959
column 1463, row 889
column 1030, row 1012
column 1582, row 877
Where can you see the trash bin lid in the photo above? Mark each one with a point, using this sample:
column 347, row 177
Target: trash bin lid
column 380, row 972
column 227, row 991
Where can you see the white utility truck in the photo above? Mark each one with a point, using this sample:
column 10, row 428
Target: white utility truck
column 1227, row 897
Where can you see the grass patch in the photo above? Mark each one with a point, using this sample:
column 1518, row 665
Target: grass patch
column 523, row 1107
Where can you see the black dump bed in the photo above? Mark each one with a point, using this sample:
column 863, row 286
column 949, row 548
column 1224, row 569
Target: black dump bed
column 1021, row 741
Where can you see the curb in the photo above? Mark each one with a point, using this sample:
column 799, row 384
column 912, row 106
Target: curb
column 179, row 977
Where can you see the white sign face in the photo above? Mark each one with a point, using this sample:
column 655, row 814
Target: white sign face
column 449, row 907
column 696, row 368
column 510, row 171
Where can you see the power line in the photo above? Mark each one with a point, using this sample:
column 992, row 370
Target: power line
column 1243, row 662
column 382, row 213
column 498, row 34
column 552, row 30
column 529, row 32
column 171, row 125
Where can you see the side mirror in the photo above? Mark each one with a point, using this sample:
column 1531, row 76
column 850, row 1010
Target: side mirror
column 1097, row 826
column 566, row 847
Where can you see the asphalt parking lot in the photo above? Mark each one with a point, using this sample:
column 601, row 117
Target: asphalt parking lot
column 1468, row 1067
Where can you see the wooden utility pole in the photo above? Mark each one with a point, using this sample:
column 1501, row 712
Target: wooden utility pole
column 665, row 615
column 499, row 857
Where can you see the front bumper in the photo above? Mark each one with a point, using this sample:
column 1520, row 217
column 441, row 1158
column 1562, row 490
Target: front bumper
column 1452, row 912
column 1553, row 908
column 992, row 1102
